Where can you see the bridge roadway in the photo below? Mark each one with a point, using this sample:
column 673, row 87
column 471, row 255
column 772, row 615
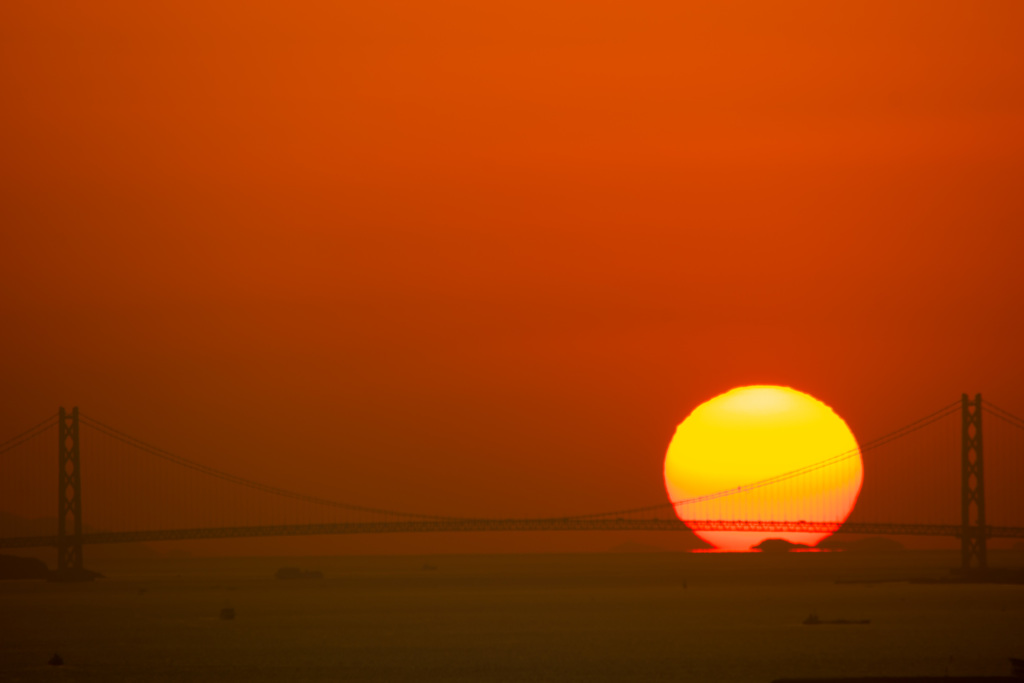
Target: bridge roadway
column 491, row 525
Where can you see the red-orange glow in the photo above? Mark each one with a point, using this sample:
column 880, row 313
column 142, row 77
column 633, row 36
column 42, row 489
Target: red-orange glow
column 481, row 258
column 755, row 433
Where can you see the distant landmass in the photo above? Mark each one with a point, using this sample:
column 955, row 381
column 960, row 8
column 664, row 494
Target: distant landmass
column 296, row 573
column 677, row 543
column 778, row 545
column 12, row 567
column 631, row 547
column 872, row 544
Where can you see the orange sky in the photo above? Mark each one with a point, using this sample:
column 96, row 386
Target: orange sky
column 481, row 258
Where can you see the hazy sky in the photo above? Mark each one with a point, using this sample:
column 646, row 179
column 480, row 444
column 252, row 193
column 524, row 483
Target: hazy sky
column 481, row 258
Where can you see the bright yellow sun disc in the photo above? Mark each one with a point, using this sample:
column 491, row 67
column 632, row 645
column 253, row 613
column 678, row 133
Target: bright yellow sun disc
column 751, row 443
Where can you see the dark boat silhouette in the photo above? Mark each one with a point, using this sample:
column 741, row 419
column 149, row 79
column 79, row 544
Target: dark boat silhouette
column 813, row 620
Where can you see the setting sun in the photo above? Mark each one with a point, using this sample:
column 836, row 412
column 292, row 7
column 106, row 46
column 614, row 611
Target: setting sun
column 753, row 434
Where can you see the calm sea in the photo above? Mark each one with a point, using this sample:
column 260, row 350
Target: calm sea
column 599, row 617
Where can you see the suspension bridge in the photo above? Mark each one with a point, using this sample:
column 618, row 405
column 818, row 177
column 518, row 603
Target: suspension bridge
column 138, row 492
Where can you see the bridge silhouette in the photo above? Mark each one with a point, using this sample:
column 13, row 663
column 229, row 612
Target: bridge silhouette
column 139, row 492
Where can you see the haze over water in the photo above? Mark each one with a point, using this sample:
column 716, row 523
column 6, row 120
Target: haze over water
column 584, row 617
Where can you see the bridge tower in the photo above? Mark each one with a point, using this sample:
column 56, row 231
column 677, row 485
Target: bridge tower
column 972, row 498
column 69, row 498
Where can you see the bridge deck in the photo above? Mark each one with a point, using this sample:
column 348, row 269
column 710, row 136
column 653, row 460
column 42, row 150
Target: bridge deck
column 492, row 525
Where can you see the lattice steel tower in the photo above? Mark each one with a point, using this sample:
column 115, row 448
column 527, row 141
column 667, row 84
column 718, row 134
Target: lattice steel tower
column 974, row 532
column 69, row 499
